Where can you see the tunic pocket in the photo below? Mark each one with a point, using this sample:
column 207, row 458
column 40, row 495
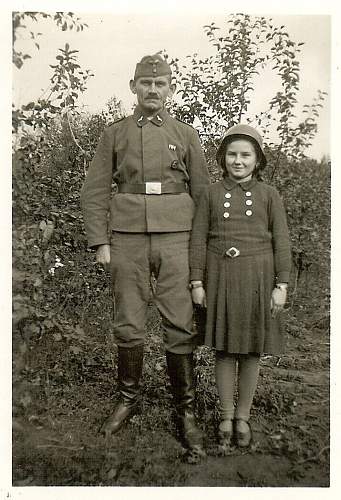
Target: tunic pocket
column 174, row 158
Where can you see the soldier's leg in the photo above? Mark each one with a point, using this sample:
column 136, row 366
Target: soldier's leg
column 130, row 272
column 169, row 257
column 173, row 298
column 130, row 281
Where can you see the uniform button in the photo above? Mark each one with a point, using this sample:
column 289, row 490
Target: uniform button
column 248, row 193
column 248, row 213
column 226, row 215
column 174, row 164
column 228, row 195
column 227, row 204
column 248, row 202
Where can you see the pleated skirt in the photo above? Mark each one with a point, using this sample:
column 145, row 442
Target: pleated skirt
column 239, row 305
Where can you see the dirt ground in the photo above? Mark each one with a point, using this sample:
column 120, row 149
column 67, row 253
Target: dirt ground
column 64, row 390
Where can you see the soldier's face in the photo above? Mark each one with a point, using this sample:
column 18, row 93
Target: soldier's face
column 152, row 92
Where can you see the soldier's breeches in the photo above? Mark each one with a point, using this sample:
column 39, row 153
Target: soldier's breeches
column 134, row 258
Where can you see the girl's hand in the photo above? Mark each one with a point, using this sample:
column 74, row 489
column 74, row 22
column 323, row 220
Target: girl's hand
column 278, row 300
column 199, row 296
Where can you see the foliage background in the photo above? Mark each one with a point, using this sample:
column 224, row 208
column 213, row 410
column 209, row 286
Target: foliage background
column 61, row 300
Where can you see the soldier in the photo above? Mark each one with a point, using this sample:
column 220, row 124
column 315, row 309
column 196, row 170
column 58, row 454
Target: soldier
column 159, row 168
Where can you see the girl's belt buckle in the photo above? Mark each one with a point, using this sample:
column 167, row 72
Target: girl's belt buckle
column 232, row 252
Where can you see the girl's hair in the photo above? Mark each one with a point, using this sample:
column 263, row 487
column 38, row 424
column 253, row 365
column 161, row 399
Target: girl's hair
column 261, row 161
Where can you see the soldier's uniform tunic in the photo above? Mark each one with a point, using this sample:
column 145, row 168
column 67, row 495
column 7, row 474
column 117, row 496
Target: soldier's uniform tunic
column 147, row 232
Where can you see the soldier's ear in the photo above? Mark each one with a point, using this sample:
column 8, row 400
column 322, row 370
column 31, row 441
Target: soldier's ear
column 172, row 89
column 132, row 86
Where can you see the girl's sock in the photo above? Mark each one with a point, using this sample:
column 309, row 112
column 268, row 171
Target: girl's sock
column 248, row 372
column 225, row 369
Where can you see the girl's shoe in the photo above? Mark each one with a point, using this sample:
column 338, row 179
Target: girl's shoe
column 242, row 433
column 225, row 433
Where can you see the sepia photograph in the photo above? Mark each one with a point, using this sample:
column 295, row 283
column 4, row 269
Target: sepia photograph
column 170, row 249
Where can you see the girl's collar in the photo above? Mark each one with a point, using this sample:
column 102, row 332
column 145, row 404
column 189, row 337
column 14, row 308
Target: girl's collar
column 230, row 184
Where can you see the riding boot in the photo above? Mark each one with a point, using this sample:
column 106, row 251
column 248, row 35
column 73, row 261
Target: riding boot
column 180, row 370
column 129, row 365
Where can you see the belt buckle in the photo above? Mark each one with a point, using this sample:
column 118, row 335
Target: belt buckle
column 232, row 252
column 153, row 187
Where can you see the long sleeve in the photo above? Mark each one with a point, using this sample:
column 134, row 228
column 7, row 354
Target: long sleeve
column 196, row 164
column 199, row 237
column 96, row 192
column 135, row 150
column 280, row 238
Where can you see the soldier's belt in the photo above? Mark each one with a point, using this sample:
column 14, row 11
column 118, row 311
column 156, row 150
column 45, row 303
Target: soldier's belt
column 153, row 188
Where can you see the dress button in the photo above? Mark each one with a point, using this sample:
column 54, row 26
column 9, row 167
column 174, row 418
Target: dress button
column 228, row 195
column 248, row 213
column 227, row 204
column 226, row 215
column 248, row 202
column 248, row 193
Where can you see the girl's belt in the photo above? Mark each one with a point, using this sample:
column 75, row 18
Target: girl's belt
column 234, row 251
column 153, row 188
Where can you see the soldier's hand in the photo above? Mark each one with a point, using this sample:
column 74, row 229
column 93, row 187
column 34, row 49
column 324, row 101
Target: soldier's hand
column 103, row 256
column 199, row 296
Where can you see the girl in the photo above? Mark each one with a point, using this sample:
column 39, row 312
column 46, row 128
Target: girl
column 240, row 263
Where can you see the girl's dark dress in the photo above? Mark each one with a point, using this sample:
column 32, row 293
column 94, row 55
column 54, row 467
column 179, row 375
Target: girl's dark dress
column 249, row 219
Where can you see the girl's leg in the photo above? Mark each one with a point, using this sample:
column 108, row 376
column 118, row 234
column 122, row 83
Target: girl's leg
column 248, row 372
column 225, row 369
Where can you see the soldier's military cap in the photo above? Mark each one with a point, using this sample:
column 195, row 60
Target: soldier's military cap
column 152, row 66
